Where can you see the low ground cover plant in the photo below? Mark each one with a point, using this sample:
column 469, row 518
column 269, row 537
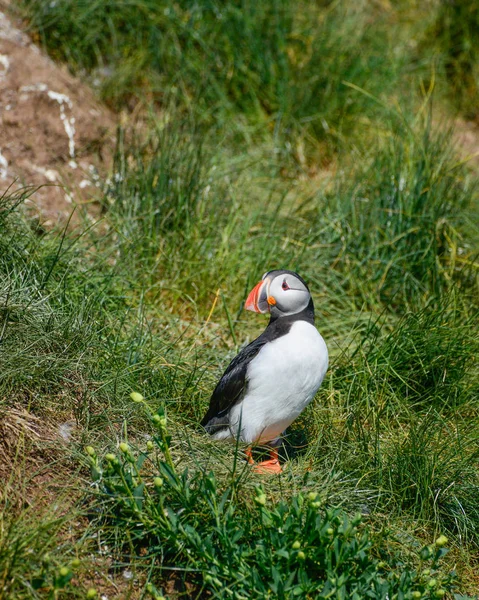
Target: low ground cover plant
column 233, row 543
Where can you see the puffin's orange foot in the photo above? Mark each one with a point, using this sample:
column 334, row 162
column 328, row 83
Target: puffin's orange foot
column 268, row 467
column 249, row 456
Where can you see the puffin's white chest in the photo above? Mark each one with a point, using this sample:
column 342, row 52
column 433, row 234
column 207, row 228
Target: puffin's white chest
column 282, row 380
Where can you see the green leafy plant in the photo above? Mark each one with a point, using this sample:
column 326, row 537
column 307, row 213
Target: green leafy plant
column 232, row 544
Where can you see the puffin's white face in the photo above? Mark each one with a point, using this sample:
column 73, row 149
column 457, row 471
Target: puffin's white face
column 279, row 292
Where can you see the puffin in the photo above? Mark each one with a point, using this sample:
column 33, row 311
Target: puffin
column 272, row 380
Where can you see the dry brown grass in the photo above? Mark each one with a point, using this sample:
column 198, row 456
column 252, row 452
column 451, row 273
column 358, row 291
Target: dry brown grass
column 32, row 456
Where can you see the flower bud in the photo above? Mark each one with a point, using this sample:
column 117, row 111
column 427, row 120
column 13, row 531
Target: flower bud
column 150, row 445
column 440, row 593
column 312, row 496
column 260, row 499
column 301, row 555
column 431, row 583
column 158, row 482
column 64, row 571
column 110, row 457
column 75, row 563
column 330, row 531
column 136, row 397
column 296, row 545
column 91, row 594
column 416, row 594
column 441, row 541
column 90, row 451
column 315, row 504
column 124, row 447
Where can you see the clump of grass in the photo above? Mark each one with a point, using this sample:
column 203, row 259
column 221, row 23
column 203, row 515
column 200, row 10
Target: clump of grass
column 426, row 361
column 59, row 307
column 400, row 419
column 34, row 332
column 157, row 188
column 431, row 472
column 174, row 207
column 399, row 228
column 388, row 234
column 272, row 62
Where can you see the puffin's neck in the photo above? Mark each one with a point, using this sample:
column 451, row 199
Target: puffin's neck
column 307, row 314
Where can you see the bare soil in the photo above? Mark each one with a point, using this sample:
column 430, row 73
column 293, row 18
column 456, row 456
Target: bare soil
column 53, row 131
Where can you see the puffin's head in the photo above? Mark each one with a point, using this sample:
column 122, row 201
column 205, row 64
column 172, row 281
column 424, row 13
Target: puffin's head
column 280, row 293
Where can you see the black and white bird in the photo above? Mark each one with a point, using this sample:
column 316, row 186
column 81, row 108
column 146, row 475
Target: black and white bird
column 272, row 380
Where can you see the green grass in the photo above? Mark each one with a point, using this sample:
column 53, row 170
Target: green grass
column 456, row 35
column 276, row 135
column 274, row 67
column 36, row 557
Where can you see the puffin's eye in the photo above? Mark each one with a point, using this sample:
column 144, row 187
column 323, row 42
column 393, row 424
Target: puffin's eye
column 285, row 286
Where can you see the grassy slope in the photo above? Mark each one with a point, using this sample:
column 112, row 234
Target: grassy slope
column 261, row 156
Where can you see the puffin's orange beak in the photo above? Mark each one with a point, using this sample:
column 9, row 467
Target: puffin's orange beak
column 257, row 300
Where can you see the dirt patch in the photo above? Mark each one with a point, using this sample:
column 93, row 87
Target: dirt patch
column 53, row 131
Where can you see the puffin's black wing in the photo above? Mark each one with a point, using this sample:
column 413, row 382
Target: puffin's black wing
column 230, row 387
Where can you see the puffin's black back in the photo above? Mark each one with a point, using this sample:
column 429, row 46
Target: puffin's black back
column 232, row 386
